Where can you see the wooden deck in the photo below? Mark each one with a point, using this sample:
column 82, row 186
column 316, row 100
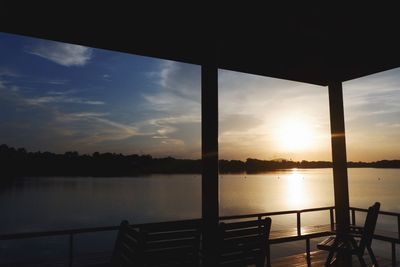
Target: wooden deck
column 318, row 260
column 298, row 260
column 283, row 251
column 276, row 237
column 291, row 233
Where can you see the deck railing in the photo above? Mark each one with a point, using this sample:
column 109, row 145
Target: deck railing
column 300, row 233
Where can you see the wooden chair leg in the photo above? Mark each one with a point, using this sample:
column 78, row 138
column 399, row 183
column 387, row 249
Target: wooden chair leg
column 362, row 261
column 353, row 243
column 268, row 254
column 329, row 258
column 373, row 259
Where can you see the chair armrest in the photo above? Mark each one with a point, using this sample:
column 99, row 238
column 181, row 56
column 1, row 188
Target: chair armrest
column 355, row 235
column 356, row 229
column 331, row 244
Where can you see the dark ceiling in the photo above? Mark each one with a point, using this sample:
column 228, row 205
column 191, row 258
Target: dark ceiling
column 308, row 44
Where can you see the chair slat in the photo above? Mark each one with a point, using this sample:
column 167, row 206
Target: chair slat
column 243, row 232
column 244, row 224
column 155, row 236
column 171, row 243
column 127, row 251
column 243, row 243
column 171, row 226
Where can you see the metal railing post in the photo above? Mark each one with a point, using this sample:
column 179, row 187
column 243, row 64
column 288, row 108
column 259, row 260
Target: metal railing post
column 353, row 217
column 332, row 219
column 308, row 252
column 299, row 223
column 398, row 226
column 393, row 254
column 71, row 250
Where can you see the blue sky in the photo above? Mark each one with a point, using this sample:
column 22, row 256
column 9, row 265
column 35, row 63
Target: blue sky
column 61, row 97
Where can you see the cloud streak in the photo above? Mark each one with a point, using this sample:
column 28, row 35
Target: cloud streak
column 60, row 99
column 4, row 72
column 175, row 108
column 63, row 54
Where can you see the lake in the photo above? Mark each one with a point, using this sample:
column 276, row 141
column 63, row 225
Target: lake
column 55, row 203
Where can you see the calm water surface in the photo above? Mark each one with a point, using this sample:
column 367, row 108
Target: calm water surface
column 32, row 204
column 36, row 204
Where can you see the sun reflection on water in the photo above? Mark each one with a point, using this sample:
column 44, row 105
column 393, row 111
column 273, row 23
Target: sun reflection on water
column 296, row 196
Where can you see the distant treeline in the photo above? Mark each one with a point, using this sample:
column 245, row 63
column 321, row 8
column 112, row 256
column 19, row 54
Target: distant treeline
column 19, row 162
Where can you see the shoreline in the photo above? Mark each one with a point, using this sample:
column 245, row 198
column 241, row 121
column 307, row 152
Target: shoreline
column 143, row 175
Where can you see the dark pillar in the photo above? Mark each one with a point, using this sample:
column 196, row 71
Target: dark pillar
column 340, row 180
column 339, row 158
column 209, row 132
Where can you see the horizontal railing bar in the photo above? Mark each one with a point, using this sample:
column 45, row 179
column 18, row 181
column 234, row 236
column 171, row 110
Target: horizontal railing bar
column 380, row 212
column 76, row 231
column 112, row 228
column 231, row 217
column 284, row 239
column 387, row 238
column 57, row 232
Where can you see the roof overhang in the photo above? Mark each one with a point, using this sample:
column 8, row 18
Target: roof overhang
column 311, row 45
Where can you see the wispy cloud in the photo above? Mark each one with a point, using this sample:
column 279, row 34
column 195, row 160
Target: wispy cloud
column 176, row 119
column 49, row 81
column 177, row 81
column 2, row 86
column 178, row 100
column 92, row 102
column 175, row 142
column 88, row 114
column 64, row 54
column 83, row 129
column 90, row 128
column 374, row 96
column 8, row 73
column 7, row 88
column 67, row 92
column 107, row 77
column 60, row 99
column 5, row 72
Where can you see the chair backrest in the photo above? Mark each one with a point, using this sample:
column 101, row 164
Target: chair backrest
column 128, row 247
column 243, row 243
column 172, row 243
column 369, row 226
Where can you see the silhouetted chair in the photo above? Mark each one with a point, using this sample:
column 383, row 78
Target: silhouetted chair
column 244, row 243
column 128, row 249
column 158, row 244
column 360, row 239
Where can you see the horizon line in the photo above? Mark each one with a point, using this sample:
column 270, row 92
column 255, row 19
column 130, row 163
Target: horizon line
column 177, row 158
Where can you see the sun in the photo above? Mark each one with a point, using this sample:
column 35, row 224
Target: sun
column 295, row 135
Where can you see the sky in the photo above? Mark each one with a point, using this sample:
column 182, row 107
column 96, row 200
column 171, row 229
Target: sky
column 62, row 97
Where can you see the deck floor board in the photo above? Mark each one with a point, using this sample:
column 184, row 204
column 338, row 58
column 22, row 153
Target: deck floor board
column 307, row 230
column 318, row 260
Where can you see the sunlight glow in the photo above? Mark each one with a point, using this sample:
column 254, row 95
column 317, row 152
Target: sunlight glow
column 295, row 135
column 295, row 195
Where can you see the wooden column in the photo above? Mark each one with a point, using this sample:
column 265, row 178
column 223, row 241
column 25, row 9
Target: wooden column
column 210, row 184
column 339, row 158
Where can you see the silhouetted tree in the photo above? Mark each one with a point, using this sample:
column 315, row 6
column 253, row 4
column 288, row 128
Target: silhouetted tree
column 19, row 162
